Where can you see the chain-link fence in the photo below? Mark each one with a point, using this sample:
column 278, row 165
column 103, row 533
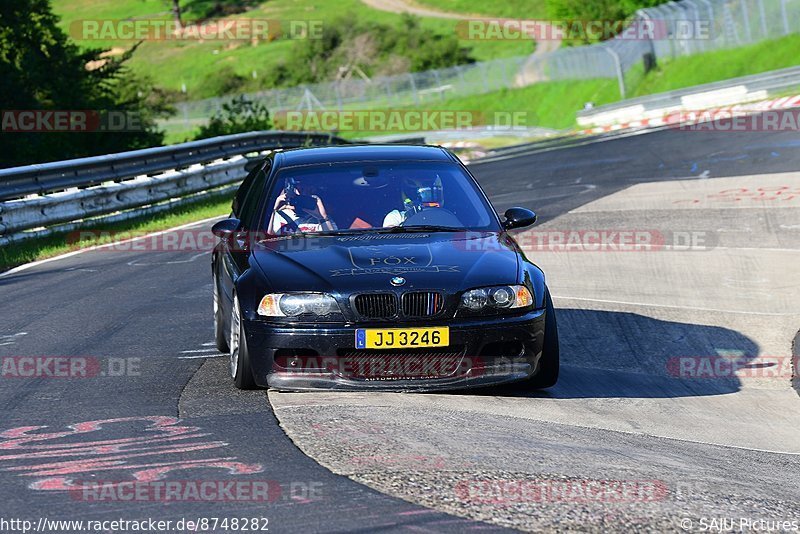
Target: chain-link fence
column 666, row 31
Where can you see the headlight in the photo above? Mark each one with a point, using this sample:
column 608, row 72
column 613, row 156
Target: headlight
column 499, row 297
column 296, row 304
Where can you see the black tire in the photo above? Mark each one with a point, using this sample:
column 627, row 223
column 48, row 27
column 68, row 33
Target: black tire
column 240, row 369
column 550, row 362
column 220, row 335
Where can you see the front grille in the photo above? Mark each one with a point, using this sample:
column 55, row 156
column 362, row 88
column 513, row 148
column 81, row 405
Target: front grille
column 376, row 305
column 422, row 304
column 401, row 364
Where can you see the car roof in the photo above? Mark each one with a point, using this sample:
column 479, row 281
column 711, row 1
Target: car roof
column 348, row 153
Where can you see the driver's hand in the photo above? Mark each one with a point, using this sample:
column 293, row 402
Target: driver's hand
column 280, row 200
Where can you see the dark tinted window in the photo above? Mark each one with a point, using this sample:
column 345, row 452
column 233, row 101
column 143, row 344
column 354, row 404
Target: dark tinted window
column 252, row 200
column 248, row 184
column 366, row 195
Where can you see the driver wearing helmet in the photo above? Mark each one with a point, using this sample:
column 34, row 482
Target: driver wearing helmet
column 416, row 197
column 295, row 212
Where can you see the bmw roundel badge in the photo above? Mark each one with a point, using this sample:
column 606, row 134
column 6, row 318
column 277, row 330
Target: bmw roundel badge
column 398, row 280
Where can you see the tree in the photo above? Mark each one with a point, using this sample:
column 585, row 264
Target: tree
column 597, row 10
column 240, row 115
column 41, row 69
column 176, row 13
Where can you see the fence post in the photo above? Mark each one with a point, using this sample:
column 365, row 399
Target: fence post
column 688, row 45
column 620, row 75
column 337, row 88
column 438, row 84
column 711, row 20
column 697, row 42
column 413, row 88
column 785, row 17
column 746, row 19
column 460, row 71
column 763, row 15
column 389, row 93
column 185, row 107
column 644, row 16
column 730, row 26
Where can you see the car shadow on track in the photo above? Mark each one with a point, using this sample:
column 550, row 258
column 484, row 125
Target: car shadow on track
column 619, row 354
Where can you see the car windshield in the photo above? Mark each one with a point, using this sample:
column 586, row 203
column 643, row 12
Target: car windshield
column 376, row 196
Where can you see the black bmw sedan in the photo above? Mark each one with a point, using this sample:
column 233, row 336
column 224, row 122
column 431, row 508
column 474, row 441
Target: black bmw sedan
column 384, row 267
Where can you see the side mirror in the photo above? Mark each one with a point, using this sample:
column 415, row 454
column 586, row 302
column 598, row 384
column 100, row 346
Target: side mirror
column 226, row 229
column 518, row 218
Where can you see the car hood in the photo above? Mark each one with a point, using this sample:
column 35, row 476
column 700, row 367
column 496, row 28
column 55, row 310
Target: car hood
column 344, row 264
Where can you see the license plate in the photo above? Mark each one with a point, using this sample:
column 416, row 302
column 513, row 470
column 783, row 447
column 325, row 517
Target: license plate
column 400, row 338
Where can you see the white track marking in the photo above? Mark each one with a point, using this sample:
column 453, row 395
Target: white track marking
column 10, row 339
column 107, row 245
column 533, row 150
column 135, row 263
column 11, row 336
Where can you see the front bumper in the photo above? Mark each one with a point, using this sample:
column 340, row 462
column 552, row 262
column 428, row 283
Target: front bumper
column 483, row 351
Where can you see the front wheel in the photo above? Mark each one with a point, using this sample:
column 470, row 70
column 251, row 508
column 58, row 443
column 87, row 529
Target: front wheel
column 240, row 369
column 550, row 362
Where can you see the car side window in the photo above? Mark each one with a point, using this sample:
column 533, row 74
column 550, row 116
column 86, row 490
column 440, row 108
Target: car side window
column 244, row 189
column 251, row 201
column 247, row 196
column 241, row 193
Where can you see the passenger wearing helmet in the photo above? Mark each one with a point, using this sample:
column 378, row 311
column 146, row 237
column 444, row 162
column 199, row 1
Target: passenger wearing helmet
column 416, row 197
column 295, row 212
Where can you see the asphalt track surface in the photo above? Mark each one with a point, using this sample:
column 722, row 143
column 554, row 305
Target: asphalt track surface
column 691, row 447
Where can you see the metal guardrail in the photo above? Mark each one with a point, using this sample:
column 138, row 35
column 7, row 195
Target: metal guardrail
column 727, row 92
column 60, row 196
column 84, row 172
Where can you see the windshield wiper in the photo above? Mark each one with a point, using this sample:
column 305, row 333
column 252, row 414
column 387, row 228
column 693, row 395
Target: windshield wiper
column 388, row 230
column 422, row 228
column 311, row 234
column 392, row 230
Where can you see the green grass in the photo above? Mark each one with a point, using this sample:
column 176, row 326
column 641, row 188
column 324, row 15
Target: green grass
column 46, row 247
column 720, row 65
column 515, row 9
column 174, row 64
column 555, row 104
column 548, row 104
